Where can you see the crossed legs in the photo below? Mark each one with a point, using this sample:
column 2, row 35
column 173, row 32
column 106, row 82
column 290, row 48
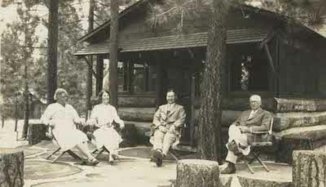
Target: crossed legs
column 238, row 140
column 161, row 145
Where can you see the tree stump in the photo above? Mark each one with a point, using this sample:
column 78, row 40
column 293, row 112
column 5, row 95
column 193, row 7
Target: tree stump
column 309, row 169
column 255, row 182
column 194, row 173
column 11, row 168
column 36, row 132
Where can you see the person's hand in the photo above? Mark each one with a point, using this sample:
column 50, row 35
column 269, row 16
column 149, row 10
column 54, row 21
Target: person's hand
column 91, row 122
column 244, row 129
column 82, row 122
column 108, row 125
column 163, row 129
column 51, row 123
column 172, row 129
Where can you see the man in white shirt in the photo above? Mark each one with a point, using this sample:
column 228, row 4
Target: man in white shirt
column 241, row 132
column 167, row 122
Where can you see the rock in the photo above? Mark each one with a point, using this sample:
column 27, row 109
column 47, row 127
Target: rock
column 11, row 168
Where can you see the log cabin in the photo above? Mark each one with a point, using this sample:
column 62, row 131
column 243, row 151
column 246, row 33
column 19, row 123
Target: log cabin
column 266, row 55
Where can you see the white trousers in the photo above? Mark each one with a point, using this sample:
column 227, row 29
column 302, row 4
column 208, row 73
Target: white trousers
column 163, row 141
column 242, row 139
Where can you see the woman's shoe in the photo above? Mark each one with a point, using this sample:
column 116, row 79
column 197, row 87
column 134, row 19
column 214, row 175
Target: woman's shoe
column 90, row 162
column 115, row 156
column 111, row 159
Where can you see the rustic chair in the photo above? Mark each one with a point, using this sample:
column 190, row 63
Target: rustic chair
column 174, row 147
column 262, row 140
column 89, row 131
column 71, row 153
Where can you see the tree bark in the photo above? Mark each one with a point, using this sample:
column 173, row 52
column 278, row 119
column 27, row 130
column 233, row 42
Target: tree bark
column 210, row 144
column 113, row 68
column 254, row 182
column 90, row 69
column 194, row 173
column 99, row 74
column 11, row 168
column 309, row 169
column 52, row 49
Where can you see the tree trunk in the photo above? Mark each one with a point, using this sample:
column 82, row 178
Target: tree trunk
column 90, row 68
column 210, row 144
column 11, row 168
column 113, row 68
column 194, row 173
column 99, row 74
column 52, row 49
column 256, row 182
column 309, row 169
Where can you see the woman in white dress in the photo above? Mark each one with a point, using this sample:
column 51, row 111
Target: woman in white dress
column 103, row 115
column 63, row 118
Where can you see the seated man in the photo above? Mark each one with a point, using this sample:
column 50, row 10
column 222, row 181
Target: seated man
column 167, row 122
column 241, row 132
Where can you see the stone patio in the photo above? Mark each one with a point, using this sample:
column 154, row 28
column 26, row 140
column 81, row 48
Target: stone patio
column 133, row 168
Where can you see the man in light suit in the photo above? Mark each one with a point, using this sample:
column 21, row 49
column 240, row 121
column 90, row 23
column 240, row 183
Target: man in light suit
column 241, row 132
column 167, row 122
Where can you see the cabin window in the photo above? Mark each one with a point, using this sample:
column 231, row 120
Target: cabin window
column 144, row 78
column 249, row 69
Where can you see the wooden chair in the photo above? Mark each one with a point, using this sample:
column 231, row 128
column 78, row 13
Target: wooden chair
column 71, row 153
column 97, row 152
column 262, row 140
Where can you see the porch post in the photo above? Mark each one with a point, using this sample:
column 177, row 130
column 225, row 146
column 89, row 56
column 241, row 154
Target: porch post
column 99, row 73
column 89, row 85
column 130, row 77
column 160, row 81
column 125, row 75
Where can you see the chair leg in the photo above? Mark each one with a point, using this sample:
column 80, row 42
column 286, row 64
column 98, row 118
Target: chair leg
column 74, row 155
column 249, row 167
column 262, row 163
column 99, row 153
column 173, row 155
column 62, row 153
column 48, row 157
column 94, row 151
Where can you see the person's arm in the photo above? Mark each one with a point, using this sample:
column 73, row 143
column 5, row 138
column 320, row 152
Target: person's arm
column 157, row 118
column 76, row 117
column 158, row 122
column 93, row 119
column 46, row 118
column 117, row 119
column 181, row 118
column 264, row 125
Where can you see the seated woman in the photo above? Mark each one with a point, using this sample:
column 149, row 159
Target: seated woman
column 62, row 117
column 103, row 115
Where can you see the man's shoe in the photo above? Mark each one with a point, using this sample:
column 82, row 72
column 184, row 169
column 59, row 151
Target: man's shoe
column 157, row 157
column 230, row 169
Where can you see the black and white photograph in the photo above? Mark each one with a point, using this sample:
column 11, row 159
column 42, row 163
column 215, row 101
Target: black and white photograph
column 163, row 93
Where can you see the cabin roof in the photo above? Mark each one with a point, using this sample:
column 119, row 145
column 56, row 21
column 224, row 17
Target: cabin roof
column 141, row 3
column 175, row 42
column 106, row 24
